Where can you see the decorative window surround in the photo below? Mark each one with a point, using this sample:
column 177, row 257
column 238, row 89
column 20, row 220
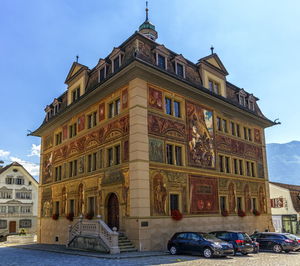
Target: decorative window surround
column 179, row 60
column 116, row 53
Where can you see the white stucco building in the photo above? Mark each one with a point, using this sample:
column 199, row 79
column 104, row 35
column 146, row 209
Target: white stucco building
column 18, row 200
column 285, row 207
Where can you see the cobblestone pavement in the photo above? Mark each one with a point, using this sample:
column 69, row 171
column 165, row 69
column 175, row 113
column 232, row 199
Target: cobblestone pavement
column 18, row 256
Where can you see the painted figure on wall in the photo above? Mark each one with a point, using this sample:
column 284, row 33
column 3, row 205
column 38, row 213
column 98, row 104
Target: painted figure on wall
column 201, row 136
column 203, row 195
column 47, row 208
column 101, row 111
column 81, row 165
column 47, row 167
column 262, row 200
column 159, row 195
column 231, row 198
column 124, row 99
column 80, row 200
column 155, row 98
column 156, row 150
column 247, row 198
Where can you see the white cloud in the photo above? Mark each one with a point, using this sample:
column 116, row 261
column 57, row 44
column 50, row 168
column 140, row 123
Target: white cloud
column 35, row 150
column 32, row 168
column 4, row 154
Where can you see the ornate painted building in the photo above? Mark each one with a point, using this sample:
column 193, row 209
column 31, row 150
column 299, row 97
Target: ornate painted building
column 18, row 200
column 146, row 132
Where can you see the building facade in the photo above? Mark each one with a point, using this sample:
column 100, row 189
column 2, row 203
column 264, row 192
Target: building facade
column 154, row 144
column 285, row 207
column 18, row 200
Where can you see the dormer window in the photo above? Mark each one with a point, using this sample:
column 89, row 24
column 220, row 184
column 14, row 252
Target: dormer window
column 180, row 71
column 75, row 94
column 56, row 108
column 102, row 73
column 116, row 63
column 49, row 112
column 214, row 86
column 242, row 98
column 161, row 61
column 251, row 102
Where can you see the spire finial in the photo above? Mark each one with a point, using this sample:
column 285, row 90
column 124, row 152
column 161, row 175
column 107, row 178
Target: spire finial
column 147, row 11
column 77, row 57
column 212, row 49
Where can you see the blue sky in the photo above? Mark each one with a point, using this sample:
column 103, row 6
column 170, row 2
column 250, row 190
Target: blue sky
column 257, row 41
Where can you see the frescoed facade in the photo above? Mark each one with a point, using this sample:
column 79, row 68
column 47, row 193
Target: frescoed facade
column 146, row 132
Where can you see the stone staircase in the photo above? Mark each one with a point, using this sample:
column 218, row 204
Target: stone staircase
column 125, row 244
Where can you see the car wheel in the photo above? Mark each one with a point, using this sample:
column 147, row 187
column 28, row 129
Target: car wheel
column 287, row 251
column 173, row 250
column 244, row 253
column 277, row 248
column 207, row 253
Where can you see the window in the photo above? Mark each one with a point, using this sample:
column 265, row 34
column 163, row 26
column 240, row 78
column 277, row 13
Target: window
column 72, row 206
column 9, row 180
column 56, row 207
column 180, row 70
column 19, row 181
column 13, row 209
column 248, row 169
column 239, row 203
column 214, row 86
column 224, row 164
column 92, row 162
column 219, row 126
column 3, row 224
column 253, row 169
column 114, row 155
column 100, row 158
column 117, row 155
column 58, row 138
column 114, row 108
column 116, row 64
column 249, row 134
column 92, row 119
column 242, row 98
column 73, row 168
column 221, row 163
column 25, row 209
column 23, row 195
column 168, row 104
column 25, row 223
column 235, row 166
column 75, row 94
column 110, row 157
column 254, row 206
column 174, row 202
column 241, row 167
column 227, row 164
column 73, row 130
column 251, row 105
column 2, row 209
column 161, row 61
column 223, row 203
column 174, row 154
column 172, row 107
column 238, row 131
column 58, row 173
column 224, row 125
column 6, row 194
column 91, row 206
column 102, row 74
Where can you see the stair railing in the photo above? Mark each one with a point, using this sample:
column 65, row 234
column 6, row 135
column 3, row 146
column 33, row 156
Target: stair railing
column 95, row 228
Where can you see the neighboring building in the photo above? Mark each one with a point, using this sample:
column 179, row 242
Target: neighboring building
column 285, row 207
column 18, row 200
column 145, row 132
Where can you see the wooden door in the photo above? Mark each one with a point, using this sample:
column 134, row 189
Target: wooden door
column 113, row 211
column 12, row 227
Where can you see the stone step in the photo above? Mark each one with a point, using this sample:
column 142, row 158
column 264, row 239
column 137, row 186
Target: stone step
column 125, row 244
column 128, row 250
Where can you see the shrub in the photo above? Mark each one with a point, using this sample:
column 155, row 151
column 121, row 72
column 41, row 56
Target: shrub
column 176, row 215
column 70, row 216
column 241, row 213
column 224, row 213
column 55, row 216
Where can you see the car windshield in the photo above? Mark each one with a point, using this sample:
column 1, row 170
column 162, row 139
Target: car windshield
column 209, row 237
column 292, row 237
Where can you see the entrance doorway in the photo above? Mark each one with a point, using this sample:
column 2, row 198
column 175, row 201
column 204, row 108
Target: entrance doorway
column 12, row 227
column 113, row 211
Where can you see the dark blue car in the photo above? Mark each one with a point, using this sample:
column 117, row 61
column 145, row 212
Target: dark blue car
column 199, row 243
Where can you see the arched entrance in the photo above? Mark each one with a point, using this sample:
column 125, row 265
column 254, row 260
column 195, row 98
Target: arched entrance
column 113, row 211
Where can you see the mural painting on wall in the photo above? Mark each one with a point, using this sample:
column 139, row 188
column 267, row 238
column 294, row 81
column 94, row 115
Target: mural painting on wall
column 203, row 195
column 201, row 151
column 155, row 98
column 47, row 168
column 262, row 200
column 114, row 129
column 81, row 165
column 247, row 198
column 165, row 127
column 80, row 199
column 81, row 123
column 226, row 144
column 159, row 195
column 48, row 142
column 156, row 150
column 257, row 136
column 124, row 99
column 65, row 132
column 231, row 198
column 101, row 111
column 46, row 207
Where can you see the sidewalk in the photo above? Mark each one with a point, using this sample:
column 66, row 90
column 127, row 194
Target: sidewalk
column 62, row 249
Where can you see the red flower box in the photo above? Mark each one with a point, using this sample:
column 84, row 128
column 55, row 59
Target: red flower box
column 70, row 216
column 55, row 216
column 241, row 213
column 176, row 215
column 256, row 212
column 89, row 216
column 224, row 213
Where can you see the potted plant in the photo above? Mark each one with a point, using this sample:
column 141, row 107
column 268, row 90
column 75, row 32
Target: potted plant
column 241, row 213
column 55, row 216
column 70, row 216
column 176, row 215
column 256, row 212
column 89, row 215
column 224, row 213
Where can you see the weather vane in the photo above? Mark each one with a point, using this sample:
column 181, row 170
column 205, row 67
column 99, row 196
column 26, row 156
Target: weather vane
column 77, row 57
column 212, row 49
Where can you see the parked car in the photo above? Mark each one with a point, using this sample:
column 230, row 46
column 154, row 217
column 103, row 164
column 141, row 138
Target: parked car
column 240, row 240
column 277, row 242
column 296, row 238
column 199, row 243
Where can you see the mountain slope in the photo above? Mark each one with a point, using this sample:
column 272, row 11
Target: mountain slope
column 284, row 162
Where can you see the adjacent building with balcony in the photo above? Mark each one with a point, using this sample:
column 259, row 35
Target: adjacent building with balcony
column 18, row 200
column 155, row 144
